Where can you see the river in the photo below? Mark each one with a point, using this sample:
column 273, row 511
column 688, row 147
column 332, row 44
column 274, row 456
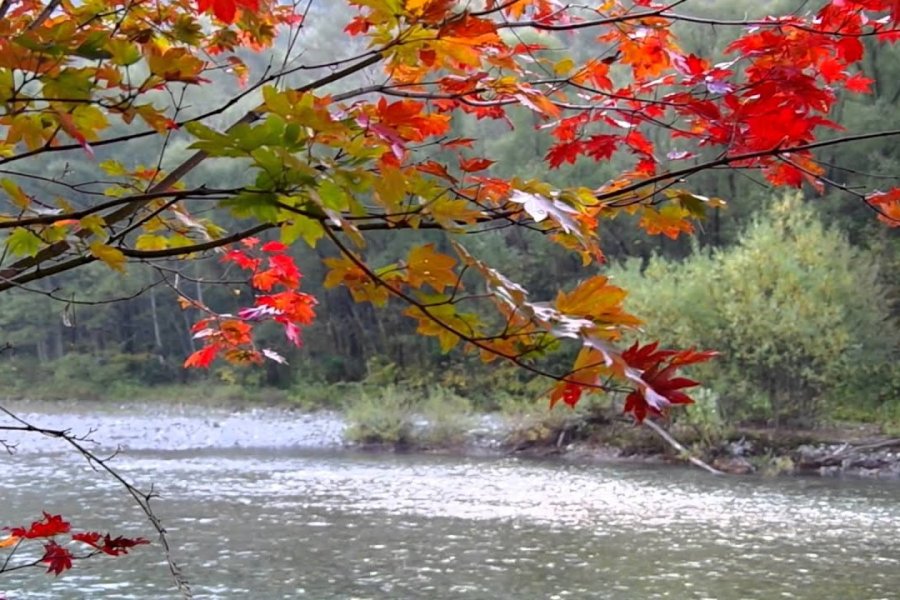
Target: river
column 265, row 504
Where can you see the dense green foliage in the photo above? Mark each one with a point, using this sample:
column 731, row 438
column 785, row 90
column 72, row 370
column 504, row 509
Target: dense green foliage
column 793, row 307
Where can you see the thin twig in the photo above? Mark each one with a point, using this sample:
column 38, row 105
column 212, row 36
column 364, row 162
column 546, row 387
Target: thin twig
column 142, row 499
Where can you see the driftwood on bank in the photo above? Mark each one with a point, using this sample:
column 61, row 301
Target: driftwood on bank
column 667, row 437
column 864, row 455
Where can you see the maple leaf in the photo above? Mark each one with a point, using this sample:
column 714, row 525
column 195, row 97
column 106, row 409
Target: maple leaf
column 437, row 169
column 282, row 270
column 471, row 165
column 670, row 220
column 290, row 306
column 656, row 375
column 425, row 266
column 595, row 72
column 566, row 152
column 859, row 83
column 596, row 299
column 888, row 206
column 107, row 544
column 601, row 147
column 292, row 332
column 58, row 558
column 540, row 207
column 274, row 246
column 358, row 26
column 49, row 526
column 234, row 332
column 571, row 394
column 407, row 119
column 241, row 259
column 68, row 125
column 225, row 10
column 274, row 356
column 203, row 357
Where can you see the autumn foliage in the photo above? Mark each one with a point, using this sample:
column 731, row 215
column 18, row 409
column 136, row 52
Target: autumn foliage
column 58, row 554
column 275, row 279
column 333, row 157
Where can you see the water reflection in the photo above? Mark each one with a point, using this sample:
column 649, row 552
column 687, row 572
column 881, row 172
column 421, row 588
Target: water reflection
column 325, row 524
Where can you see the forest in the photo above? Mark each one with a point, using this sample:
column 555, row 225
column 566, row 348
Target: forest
column 796, row 288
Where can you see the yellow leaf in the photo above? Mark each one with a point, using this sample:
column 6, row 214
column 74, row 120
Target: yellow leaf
column 113, row 167
column 429, row 327
column 147, row 241
column 111, row 256
column 427, row 266
column 10, row 541
column 344, row 271
column 18, row 197
column 123, row 52
column 597, row 300
column 564, row 66
column 94, row 224
column 449, row 212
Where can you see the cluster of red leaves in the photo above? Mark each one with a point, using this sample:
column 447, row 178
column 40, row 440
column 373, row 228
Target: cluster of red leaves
column 652, row 371
column 659, row 385
column 57, row 557
column 275, row 274
column 108, row 544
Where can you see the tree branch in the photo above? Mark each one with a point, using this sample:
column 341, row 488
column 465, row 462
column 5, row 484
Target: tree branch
column 142, row 499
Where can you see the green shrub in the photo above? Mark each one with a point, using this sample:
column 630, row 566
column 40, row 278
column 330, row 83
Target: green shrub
column 448, row 418
column 531, row 421
column 703, row 418
column 794, row 308
column 384, row 417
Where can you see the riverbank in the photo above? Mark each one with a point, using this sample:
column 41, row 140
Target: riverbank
column 190, row 420
column 855, row 450
column 842, row 452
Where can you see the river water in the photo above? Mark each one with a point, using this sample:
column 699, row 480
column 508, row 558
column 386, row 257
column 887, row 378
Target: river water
column 265, row 505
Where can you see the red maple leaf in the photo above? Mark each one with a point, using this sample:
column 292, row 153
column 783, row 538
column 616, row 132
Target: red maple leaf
column 357, row 26
column 436, row 169
column 470, row 165
column 57, row 557
column 566, row 152
column 49, row 526
column 107, row 544
column 225, row 10
column 660, row 386
column 241, row 259
column 859, row 83
column 601, row 147
column 572, row 394
column 203, row 357
column 408, row 119
column 274, row 246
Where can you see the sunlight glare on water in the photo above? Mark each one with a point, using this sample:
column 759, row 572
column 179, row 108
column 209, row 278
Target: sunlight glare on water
column 323, row 523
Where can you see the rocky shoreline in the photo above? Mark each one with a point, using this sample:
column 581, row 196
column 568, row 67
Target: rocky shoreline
column 874, row 459
column 854, row 451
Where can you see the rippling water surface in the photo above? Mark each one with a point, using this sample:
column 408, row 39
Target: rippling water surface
column 282, row 520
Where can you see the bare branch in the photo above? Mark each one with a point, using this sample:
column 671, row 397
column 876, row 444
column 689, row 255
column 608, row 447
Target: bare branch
column 141, row 498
